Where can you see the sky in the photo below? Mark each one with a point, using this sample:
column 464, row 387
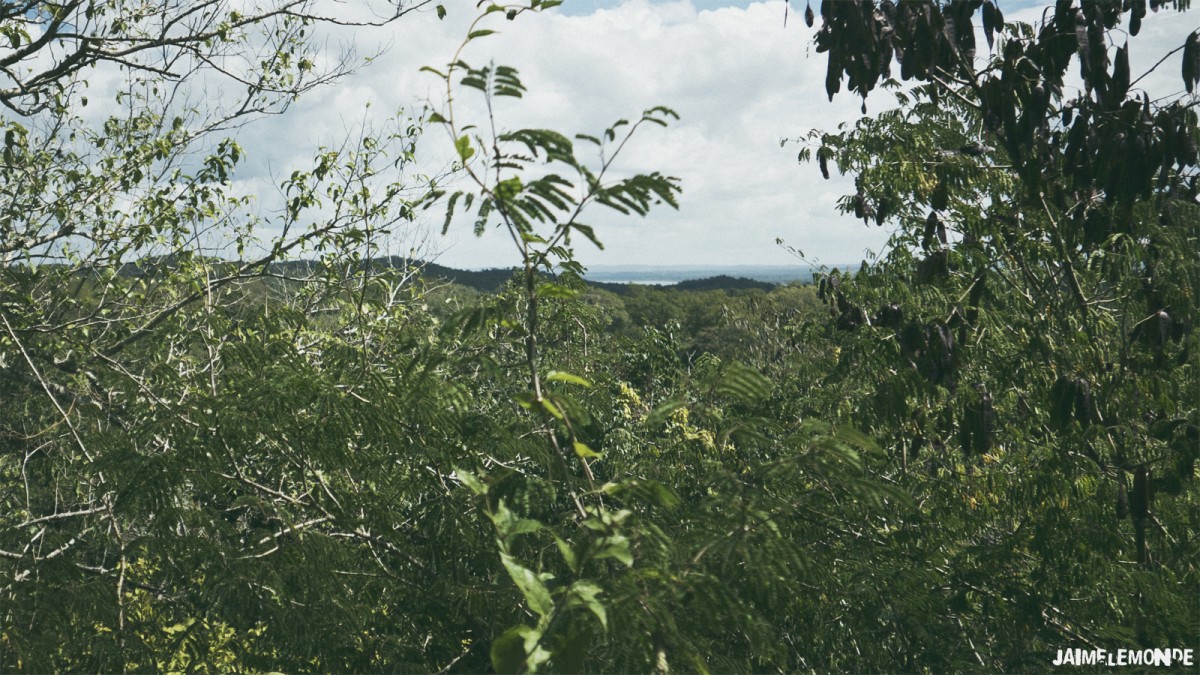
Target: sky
column 740, row 79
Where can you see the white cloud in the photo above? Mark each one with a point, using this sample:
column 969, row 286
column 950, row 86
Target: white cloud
column 740, row 79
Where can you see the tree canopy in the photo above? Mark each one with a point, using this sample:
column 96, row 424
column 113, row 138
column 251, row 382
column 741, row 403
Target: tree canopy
column 236, row 441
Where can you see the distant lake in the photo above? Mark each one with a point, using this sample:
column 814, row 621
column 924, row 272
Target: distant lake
column 664, row 276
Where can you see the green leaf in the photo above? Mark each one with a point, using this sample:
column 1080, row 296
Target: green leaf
column 585, row 452
column 660, row 414
column 584, row 593
column 508, row 650
column 549, row 407
column 463, row 145
column 179, row 627
column 479, row 33
column 535, row 592
column 560, row 376
column 744, row 383
column 509, row 525
column 450, row 212
column 567, row 553
column 616, row 547
column 649, row 490
column 471, row 481
column 587, row 231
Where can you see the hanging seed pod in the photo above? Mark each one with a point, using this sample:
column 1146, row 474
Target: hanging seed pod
column 889, row 316
column 1062, row 402
column 1084, row 403
column 1139, row 501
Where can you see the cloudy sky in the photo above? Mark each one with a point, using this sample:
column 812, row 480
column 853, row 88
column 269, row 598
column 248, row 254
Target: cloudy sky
column 740, row 79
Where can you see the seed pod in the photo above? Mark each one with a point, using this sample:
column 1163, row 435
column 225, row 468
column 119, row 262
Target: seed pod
column 914, row 340
column 883, row 209
column 852, row 318
column 1135, row 16
column 939, row 199
column 938, row 364
column 1139, row 501
column 890, row 316
column 1191, row 61
column 978, row 427
column 934, row 267
column 1084, row 405
column 973, row 150
column 932, row 222
column 1062, row 402
column 1122, row 499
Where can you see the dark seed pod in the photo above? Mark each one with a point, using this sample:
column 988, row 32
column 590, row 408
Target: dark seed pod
column 973, row 150
column 1154, row 331
column 833, row 287
column 987, row 418
column 932, row 223
column 852, row 318
column 976, row 296
column 883, row 209
column 1191, row 61
column 1162, row 326
column 934, row 267
column 1084, row 405
column 989, row 22
column 914, row 340
column 979, row 424
column 890, row 316
column 943, row 345
column 1120, row 76
column 914, row 448
column 1062, row 402
column 937, row 365
column 939, row 199
column 1139, row 501
column 1138, row 11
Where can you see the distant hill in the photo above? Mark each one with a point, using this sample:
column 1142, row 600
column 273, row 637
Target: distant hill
column 723, row 282
column 668, row 275
column 491, row 280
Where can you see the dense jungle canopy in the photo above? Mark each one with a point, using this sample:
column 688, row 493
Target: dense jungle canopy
column 235, row 441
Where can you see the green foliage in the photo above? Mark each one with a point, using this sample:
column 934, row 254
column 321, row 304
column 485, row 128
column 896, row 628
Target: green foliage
column 338, row 465
column 1034, row 339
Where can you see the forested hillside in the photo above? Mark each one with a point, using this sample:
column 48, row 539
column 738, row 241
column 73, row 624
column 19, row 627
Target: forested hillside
column 237, row 442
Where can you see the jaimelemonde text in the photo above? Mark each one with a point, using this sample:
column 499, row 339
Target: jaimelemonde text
column 1125, row 657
